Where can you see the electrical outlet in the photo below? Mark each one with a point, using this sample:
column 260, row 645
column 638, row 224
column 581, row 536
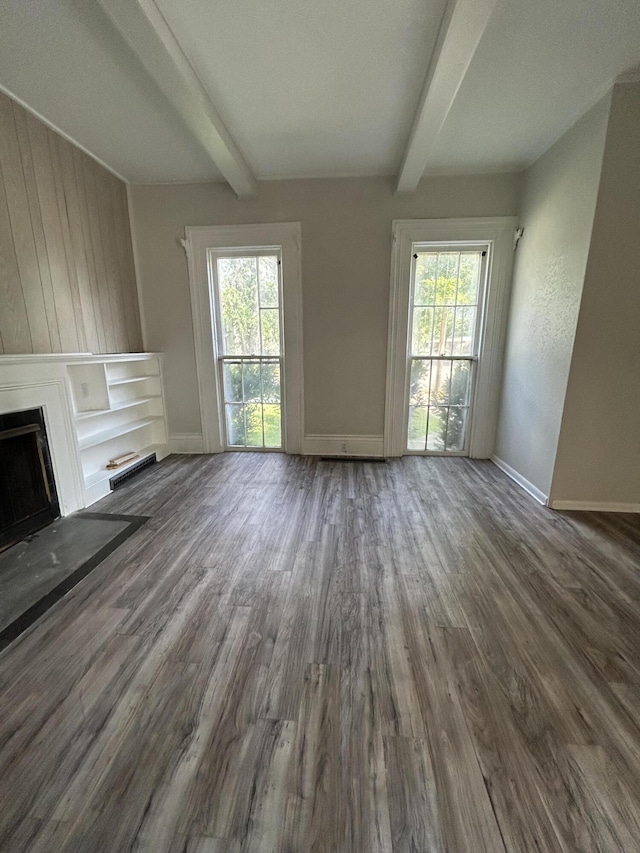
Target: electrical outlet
column 84, row 390
column 343, row 447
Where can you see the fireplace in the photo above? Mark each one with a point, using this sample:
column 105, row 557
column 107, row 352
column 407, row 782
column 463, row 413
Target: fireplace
column 28, row 497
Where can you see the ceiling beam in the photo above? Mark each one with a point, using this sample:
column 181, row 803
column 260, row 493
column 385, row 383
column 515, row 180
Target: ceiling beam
column 463, row 23
column 144, row 28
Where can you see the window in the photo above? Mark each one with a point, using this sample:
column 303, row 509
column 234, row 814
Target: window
column 447, row 329
column 204, row 245
column 446, row 297
column 249, row 330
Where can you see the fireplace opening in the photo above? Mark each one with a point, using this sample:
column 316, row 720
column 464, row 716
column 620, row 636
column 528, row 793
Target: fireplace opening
column 28, row 498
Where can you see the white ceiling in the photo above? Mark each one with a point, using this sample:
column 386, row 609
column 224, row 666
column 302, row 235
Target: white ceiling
column 312, row 88
column 316, row 89
column 541, row 64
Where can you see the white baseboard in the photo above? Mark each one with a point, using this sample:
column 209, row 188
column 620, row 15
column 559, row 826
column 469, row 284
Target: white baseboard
column 534, row 491
column 186, row 442
column 595, row 506
column 343, row 445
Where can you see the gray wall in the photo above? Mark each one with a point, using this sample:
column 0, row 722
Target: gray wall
column 346, row 250
column 557, row 214
column 599, row 450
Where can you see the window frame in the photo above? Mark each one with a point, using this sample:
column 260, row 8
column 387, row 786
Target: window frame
column 474, row 358
column 499, row 233
column 213, row 255
column 287, row 236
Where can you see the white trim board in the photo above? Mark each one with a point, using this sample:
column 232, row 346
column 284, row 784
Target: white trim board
column 199, row 240
column 595, row 506
column 343, row 445
column 137, row 266
column 186, row 442
column 461, row 29
column 534, row 491
column 499, row 233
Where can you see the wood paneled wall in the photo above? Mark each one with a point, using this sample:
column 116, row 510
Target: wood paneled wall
column 67, row 280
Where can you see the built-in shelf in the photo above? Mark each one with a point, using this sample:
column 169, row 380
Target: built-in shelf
column 105, row 474
column 116, row 432
column 130, row 379
column 118, row 408
column 127, row 404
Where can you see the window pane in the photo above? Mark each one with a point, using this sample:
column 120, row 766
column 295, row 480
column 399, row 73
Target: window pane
column 417, row 428
column 270, row 331
column 450, row 331
column 421, row 333
column 456, row 428
column 460, row 383
column 424, row 292
column 447, row 278
column 272, row 425
column 420, row 381
column 437, row 428
column 233, row 383
column 268, row 269
column 252, row 386
column 470, row 263
column 271, row 383
column 464, row 332
column 235, row 425
column 238, row 287
column 443, row 331
column 440, row 377
column 254, row 425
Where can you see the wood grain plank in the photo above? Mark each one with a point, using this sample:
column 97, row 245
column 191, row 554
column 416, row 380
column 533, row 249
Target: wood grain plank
column 52, row 227
column 95, row 229
column 197, row 796
column 466, row 814
column 14, row 323
column 35, row 215
column 77, row 243
column 511, row 773
column 415, row 823
column 315, row 811
column 78, row 163
column 366, row 824
column 55, row 144
column 126, row 267
column 110, row 255
column 23, row 240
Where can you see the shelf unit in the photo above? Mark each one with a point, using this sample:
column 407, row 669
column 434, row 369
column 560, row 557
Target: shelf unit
column 118, row 408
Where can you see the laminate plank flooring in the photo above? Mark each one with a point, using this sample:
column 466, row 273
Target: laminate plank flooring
column 313, row 656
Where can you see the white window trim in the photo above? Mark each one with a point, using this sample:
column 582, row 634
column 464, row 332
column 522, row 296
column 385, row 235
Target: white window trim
column 497, row 231
column 286, row 235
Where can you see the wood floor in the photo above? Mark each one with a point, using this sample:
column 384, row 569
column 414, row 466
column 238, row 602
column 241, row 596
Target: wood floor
column 297, row 655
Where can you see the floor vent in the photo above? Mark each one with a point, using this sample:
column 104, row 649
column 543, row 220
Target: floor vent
column 120, row 479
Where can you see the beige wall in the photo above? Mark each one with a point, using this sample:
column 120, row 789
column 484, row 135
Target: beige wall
column 557, row 214
column 598, row 457
column 346, row 247
column 67, row 282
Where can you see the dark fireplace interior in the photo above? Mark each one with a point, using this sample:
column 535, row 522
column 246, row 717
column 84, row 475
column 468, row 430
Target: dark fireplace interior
column 28, row 498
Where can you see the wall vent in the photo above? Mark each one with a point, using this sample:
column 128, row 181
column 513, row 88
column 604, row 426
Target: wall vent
column 120, row 479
